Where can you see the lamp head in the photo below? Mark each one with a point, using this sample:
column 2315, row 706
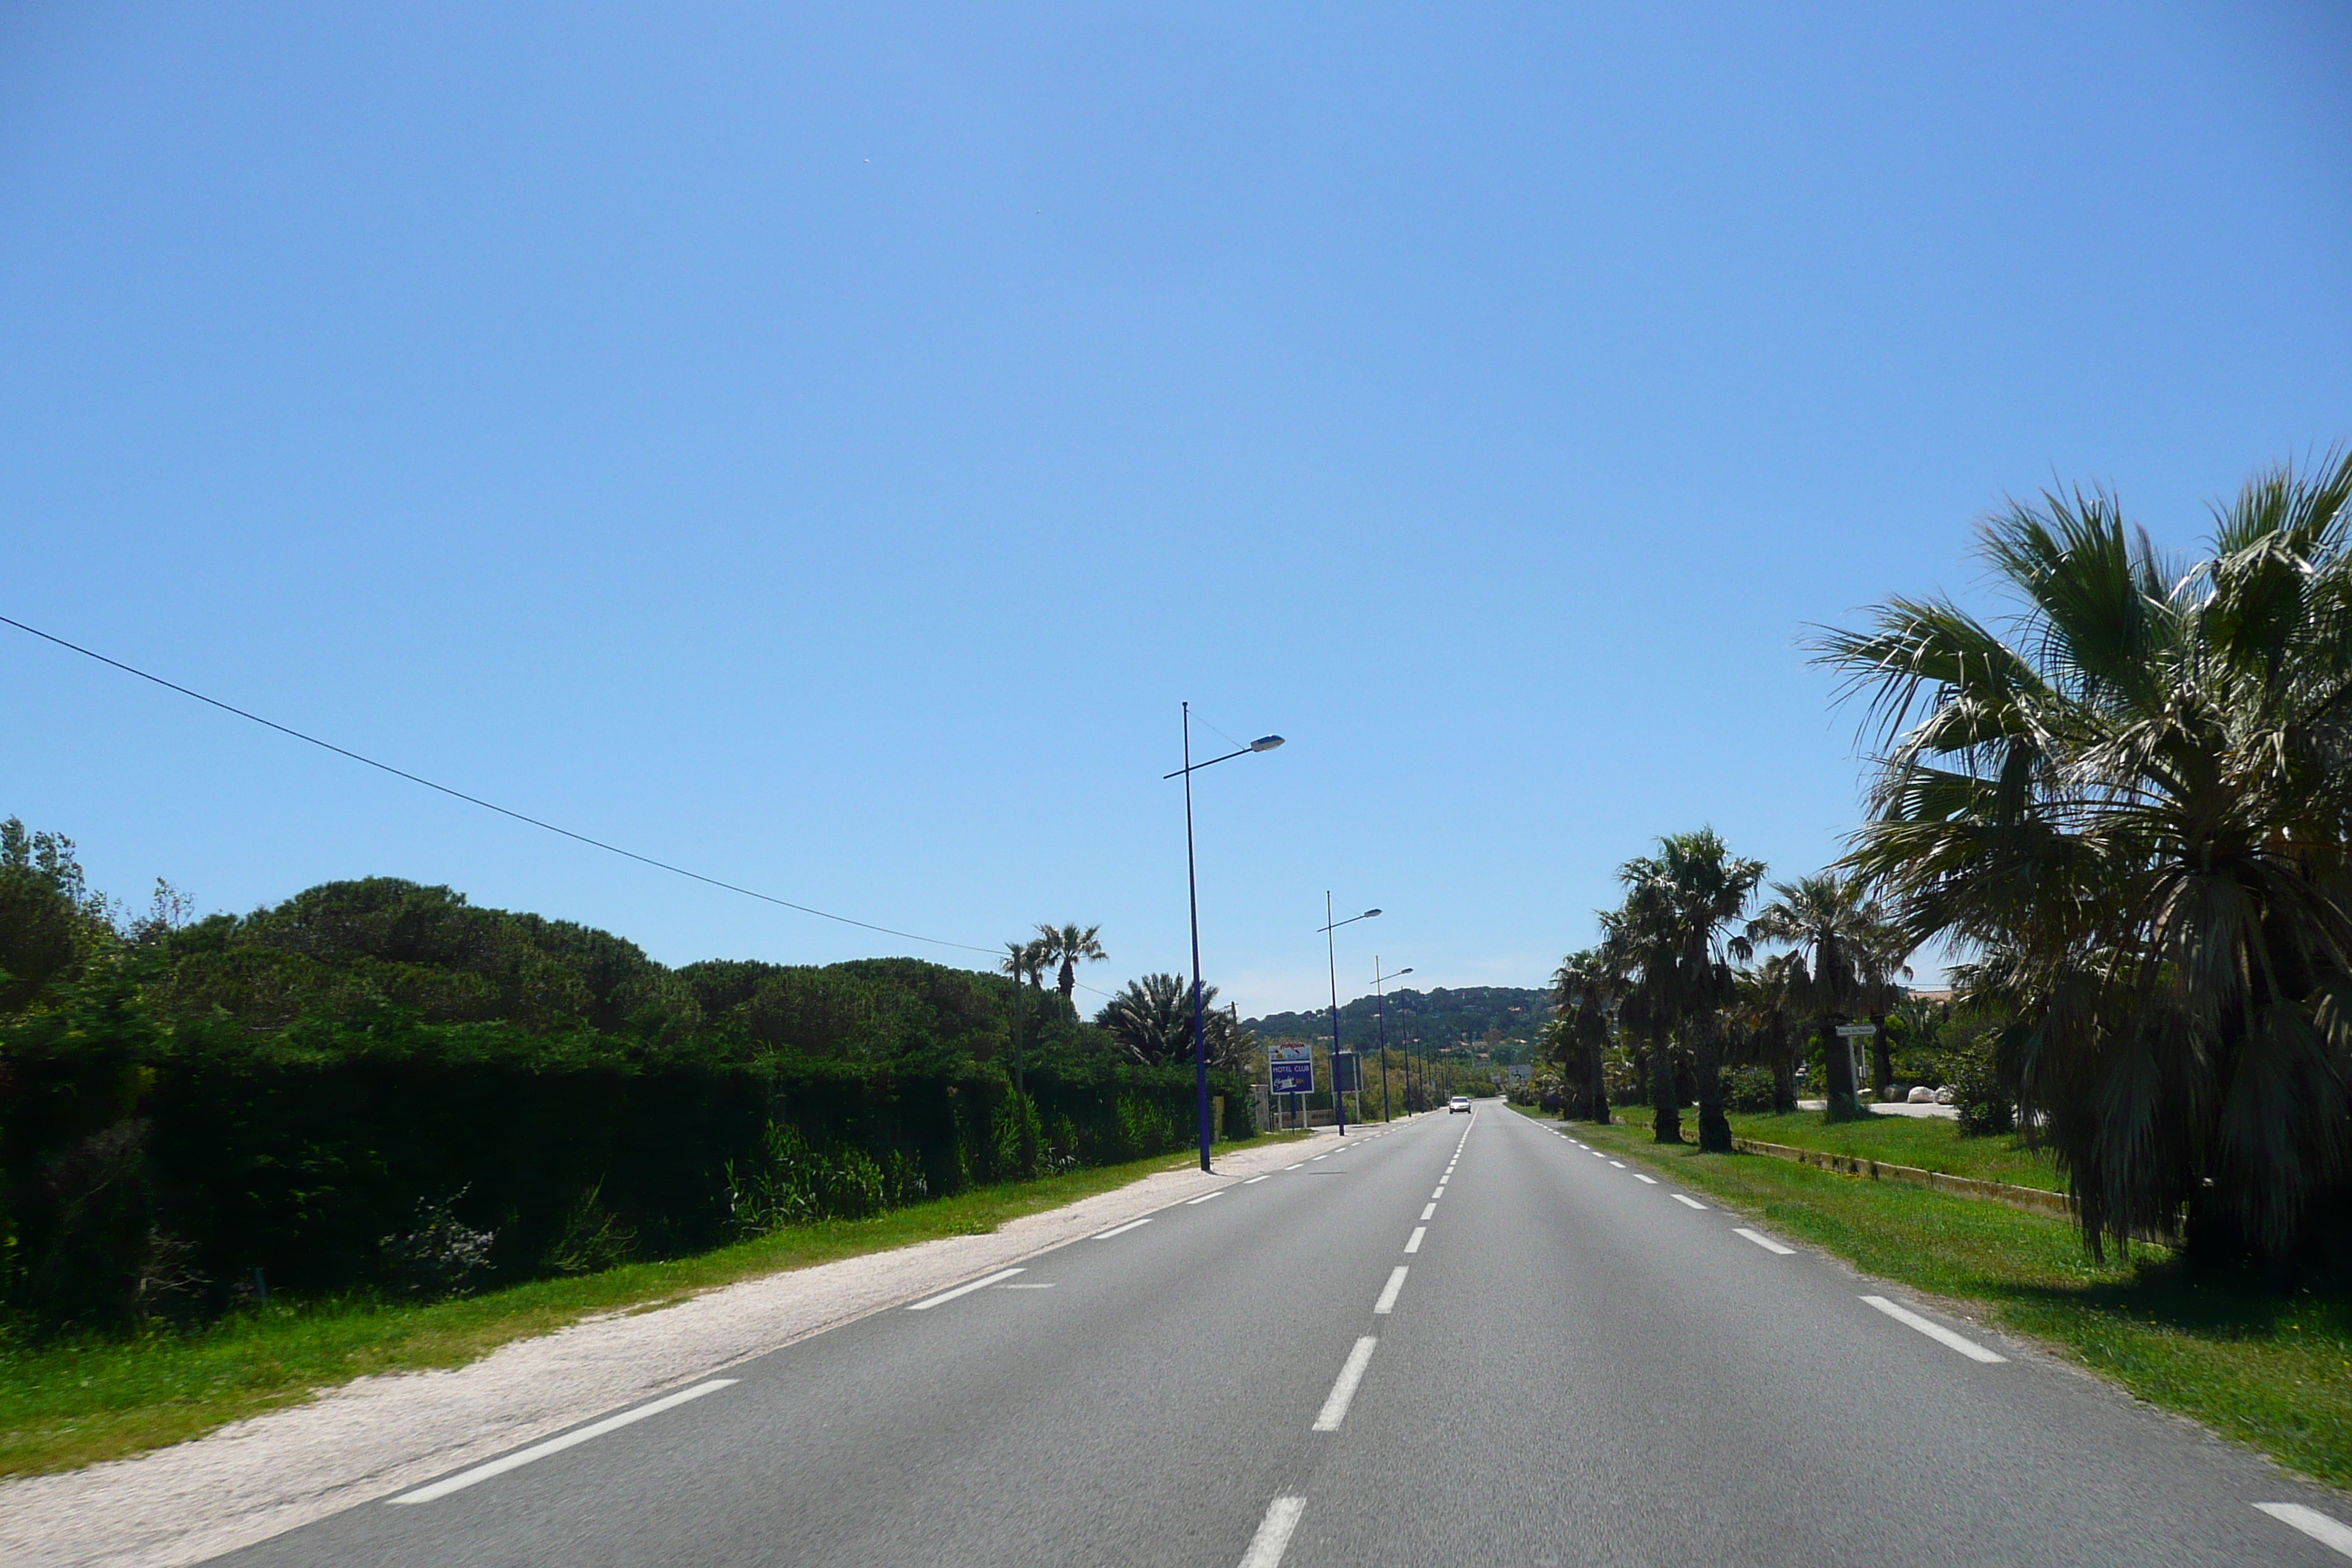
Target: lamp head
column 1406, row 970
column 1367, row 914
column 1265, row 743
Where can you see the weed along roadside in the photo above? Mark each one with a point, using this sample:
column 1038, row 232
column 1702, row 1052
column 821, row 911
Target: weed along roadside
column 2268, row 1366
column 76, row 1402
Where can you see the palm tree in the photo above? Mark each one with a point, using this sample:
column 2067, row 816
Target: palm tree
column 1021, row 961
column 1768, row 997
column 1152, row 1018
column 1881, row 969
column 1581, row 994
column 1840, row 963
column 1070, row 946
column 1677, row 904
column 2130, row 807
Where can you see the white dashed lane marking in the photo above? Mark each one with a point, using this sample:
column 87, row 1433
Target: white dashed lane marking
column 464, row 1479
column 1335, row 1407
column 1273, row 1537
column 1934, row 1331
column 2320, row 1527
column 982, row 1283
column 1688, row 1203
column 1762, row 1240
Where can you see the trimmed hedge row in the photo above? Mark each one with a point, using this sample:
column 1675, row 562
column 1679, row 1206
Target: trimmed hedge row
column 148, row 1167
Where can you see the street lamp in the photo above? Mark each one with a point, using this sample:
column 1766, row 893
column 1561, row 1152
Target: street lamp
column 1331, row 952
column 1192, row 893
column 1380, row 1008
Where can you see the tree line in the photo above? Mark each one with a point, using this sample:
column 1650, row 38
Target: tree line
column 2124, row 806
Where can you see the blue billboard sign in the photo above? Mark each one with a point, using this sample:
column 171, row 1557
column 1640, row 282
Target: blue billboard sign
column 1290, row 1069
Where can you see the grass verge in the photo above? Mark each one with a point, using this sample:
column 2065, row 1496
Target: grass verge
column 1931, row 1143
column 63, row 1405
column 2267, row 1364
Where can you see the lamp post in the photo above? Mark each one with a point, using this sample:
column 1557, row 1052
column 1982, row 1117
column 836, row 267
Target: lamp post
column 1331, row 952
column 1193, row 896
column 1379, row 1008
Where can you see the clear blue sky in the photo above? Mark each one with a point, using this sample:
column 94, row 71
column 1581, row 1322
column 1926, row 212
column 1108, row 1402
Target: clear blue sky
column 821, row 445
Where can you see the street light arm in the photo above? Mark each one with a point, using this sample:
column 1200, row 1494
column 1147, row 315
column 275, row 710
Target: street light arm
column 1264, row 743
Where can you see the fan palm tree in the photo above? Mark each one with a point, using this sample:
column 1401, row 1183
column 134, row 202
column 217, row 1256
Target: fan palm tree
column 1768, row 995
column 1826, row 925
column 1672, row 928
column 2130, row 806
column 1152, row 1018
column 1021, row 961
column 1580, row 993
column 1070, row 946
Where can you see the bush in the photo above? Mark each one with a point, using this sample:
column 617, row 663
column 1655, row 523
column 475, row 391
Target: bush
column 1749, row 1089
column 1982, row 1091
column 440, row 1258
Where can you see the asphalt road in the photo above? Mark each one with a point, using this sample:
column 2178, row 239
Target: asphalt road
column 1576, row 1366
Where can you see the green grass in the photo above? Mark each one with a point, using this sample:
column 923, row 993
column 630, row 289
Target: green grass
column 1932, row 1144
column 63, row 1405
column 2268, row 1365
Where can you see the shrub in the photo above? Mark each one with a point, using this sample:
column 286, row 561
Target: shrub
column 1983, row 1092
column 594, row 1239
column 440, row 1258
column 1749, row 1089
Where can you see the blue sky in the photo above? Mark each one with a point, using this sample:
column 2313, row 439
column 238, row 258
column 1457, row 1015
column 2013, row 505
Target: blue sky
column 823, row 445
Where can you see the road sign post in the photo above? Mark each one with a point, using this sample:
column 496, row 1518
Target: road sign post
column 1853, row 1035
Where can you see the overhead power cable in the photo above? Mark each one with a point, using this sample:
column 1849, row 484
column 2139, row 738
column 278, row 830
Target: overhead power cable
column 490, row 805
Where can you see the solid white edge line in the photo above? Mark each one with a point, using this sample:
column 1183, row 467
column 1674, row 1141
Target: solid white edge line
column 1639, row 1177
column 1688, row 1203
column 2328, row 1531
column 1121, row 1230
column 982, row 1283
column 1335, row 1408
column 464, row 1479
column 1412, row 1242
column 1934, row 1330
column 1389, row 1291
column 1428, row 1209
column 1273, row 1537
column 1204, row 1197
column 1762, row 1240
column 1253, row 1181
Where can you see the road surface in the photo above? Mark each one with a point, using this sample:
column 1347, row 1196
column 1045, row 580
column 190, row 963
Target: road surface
column 1468, row 1340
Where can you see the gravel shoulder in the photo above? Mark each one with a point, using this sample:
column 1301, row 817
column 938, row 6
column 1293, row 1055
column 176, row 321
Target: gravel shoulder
column 377, row 1435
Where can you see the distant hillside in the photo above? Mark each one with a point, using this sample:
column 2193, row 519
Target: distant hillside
column 1506, row 1015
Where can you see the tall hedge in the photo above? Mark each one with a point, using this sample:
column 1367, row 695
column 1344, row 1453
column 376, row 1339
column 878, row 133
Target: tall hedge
column 379, row 1087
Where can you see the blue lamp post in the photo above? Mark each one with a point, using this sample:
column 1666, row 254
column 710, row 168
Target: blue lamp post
column 1380, row 1006
column 1192, row 893
column 1331, row 952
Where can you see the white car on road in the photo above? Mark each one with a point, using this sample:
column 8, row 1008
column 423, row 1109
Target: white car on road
column 1459, row 1103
